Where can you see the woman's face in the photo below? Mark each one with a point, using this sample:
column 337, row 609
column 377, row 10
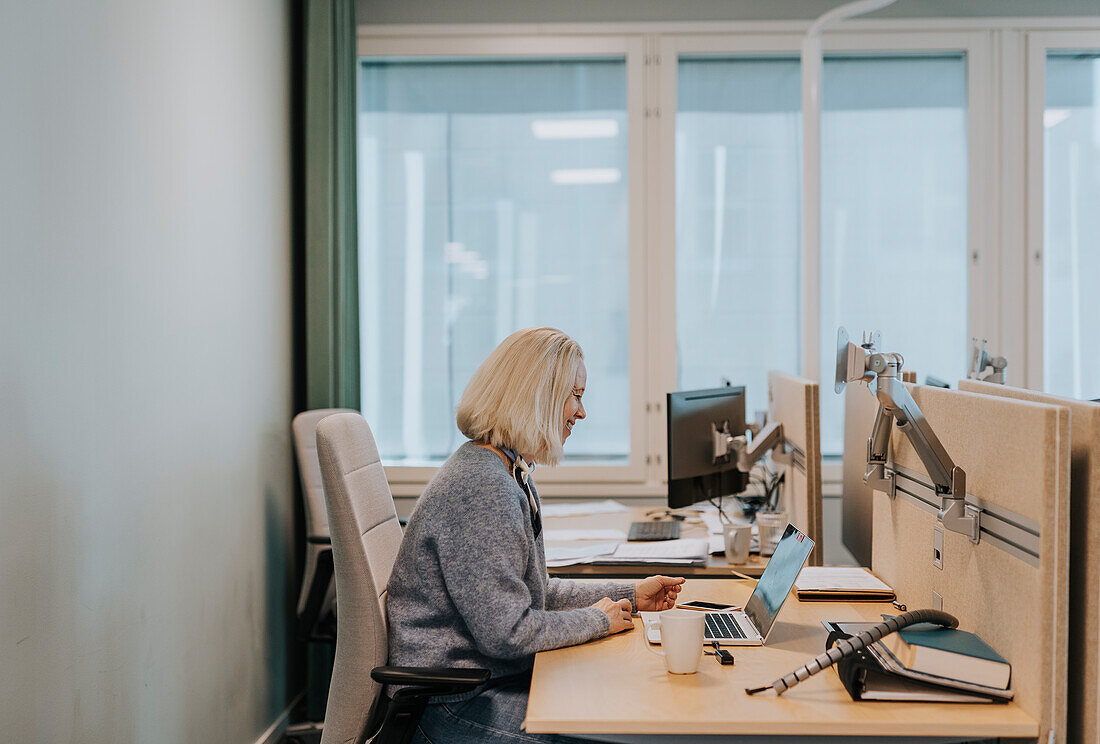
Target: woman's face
column 574, row 409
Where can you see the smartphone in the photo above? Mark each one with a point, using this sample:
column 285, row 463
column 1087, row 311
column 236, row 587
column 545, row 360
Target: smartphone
column 697, row 605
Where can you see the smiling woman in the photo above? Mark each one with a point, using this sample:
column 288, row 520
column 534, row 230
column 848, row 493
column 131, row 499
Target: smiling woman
column 469, row 586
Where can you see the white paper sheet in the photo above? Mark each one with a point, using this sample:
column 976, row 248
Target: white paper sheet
column 585, row 507
column 838, row 578
column 570, row 555
column 596, row 534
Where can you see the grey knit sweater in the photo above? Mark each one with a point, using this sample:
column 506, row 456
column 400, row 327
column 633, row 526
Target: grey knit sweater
column 469, row 587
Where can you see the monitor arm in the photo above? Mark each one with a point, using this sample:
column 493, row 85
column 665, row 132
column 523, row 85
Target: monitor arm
column 770, row 437
column 980, row 359
column 882, row 373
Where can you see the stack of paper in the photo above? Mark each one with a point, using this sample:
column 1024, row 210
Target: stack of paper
column 841, row 584
column 683, row 552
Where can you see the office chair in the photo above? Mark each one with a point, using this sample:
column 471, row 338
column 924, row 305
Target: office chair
column 365, row 538
column 317, row 600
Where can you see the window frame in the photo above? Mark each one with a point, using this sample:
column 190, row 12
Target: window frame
column 565, row 479
column 1037, row 45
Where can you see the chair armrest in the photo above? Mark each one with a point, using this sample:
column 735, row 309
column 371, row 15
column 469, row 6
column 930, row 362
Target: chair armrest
column 466, row 679
column 393, row 721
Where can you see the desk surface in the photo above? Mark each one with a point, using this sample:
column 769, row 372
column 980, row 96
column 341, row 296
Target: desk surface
column 716, row 564
column 616, row 686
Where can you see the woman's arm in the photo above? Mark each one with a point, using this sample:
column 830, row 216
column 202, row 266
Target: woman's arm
column 562, row 594
column 483, row 555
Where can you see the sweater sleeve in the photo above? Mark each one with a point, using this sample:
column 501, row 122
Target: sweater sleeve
column 482, row 555
column 562, row 594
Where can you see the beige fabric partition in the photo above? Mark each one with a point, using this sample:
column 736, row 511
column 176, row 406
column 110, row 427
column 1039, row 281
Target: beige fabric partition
column 1016, row 458
column 795, row 402
column 1083, row 695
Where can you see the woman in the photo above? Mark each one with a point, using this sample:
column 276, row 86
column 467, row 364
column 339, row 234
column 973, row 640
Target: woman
column 469, row 587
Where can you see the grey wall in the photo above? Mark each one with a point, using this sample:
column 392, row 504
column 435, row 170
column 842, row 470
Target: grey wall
column 145, row 355
column 593, row 11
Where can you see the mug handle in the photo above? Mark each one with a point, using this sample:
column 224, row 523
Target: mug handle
column 651, row 647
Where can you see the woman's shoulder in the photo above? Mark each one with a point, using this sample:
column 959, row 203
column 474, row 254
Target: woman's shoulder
column 473, row 473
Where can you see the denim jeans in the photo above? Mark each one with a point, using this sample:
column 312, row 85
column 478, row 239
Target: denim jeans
column 494, row 715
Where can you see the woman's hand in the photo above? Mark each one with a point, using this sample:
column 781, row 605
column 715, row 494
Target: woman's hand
column 657, row 593
column 618, row 613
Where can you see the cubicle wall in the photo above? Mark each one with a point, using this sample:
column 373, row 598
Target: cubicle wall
column 1083, row 695
column 1016, row 458
column 795, row 402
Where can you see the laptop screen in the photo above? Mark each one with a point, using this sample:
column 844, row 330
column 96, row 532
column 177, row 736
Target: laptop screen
column 779, row 576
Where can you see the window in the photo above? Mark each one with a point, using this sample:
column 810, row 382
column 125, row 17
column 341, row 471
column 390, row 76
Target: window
column 512, row 181
column 493, row 196
column 738, row 254
column 894, row 215
column 1071, row 224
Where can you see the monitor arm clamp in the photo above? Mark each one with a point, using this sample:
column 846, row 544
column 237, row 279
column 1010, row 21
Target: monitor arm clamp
column 882, row 373
column 745, row 454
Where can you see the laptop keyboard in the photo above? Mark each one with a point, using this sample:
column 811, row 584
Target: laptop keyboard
column 665, row 530
column 721, row 625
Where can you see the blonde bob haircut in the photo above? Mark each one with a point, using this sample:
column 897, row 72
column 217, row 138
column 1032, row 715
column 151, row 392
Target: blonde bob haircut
column 517, row 396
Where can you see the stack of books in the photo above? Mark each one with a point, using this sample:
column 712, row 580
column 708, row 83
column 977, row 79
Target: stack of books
column 929, row 664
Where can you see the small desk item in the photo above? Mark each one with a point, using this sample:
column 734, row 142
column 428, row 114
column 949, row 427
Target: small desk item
column 751, row 626
column 841, row 584
column 650, row 531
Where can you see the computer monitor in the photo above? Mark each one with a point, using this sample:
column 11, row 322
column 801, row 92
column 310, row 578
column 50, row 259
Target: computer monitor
column 693, row 473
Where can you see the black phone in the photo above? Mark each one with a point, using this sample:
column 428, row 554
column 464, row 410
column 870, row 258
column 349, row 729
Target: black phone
column 699, row 605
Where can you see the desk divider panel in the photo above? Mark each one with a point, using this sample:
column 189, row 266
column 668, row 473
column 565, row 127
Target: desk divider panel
column 1016, row 458
column 1083, row 695
column 795, row 402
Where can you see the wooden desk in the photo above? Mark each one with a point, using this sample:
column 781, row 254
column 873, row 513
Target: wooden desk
column 615, row 686
column 716, row 567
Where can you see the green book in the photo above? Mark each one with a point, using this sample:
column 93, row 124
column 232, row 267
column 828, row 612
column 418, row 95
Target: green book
column 949, row 653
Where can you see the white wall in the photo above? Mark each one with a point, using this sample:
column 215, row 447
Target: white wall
column 145, row 370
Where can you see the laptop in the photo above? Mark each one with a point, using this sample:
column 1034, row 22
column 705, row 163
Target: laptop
column 751, row 626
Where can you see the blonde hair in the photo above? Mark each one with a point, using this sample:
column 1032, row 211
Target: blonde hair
column 517, row 396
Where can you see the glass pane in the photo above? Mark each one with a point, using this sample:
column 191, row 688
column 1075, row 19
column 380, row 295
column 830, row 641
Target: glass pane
column 894, row 216
column 1071, row 225
column 492, row 197
column 738, row 254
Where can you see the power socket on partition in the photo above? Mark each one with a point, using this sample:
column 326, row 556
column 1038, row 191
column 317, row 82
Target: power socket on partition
column 937, row 546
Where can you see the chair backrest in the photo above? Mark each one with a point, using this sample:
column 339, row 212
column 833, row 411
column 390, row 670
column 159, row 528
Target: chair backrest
column 304, row 427
column 365, row 538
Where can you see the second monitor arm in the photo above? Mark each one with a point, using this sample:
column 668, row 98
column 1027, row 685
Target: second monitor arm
column 768, row 438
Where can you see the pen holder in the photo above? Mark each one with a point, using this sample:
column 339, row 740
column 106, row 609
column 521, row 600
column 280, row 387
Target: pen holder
column 681, row 640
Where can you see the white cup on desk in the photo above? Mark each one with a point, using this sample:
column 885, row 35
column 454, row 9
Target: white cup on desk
column 736, row 536
column 771, row 525
column 681, row 640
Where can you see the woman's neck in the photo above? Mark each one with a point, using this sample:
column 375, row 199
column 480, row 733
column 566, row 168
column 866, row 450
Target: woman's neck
column 504, row 458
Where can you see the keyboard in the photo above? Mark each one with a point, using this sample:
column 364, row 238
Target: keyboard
column 721, row 625
column 665, row 530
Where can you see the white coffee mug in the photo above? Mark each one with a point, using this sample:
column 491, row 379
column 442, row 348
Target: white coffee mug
column 736, row 536
column 681, row 640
